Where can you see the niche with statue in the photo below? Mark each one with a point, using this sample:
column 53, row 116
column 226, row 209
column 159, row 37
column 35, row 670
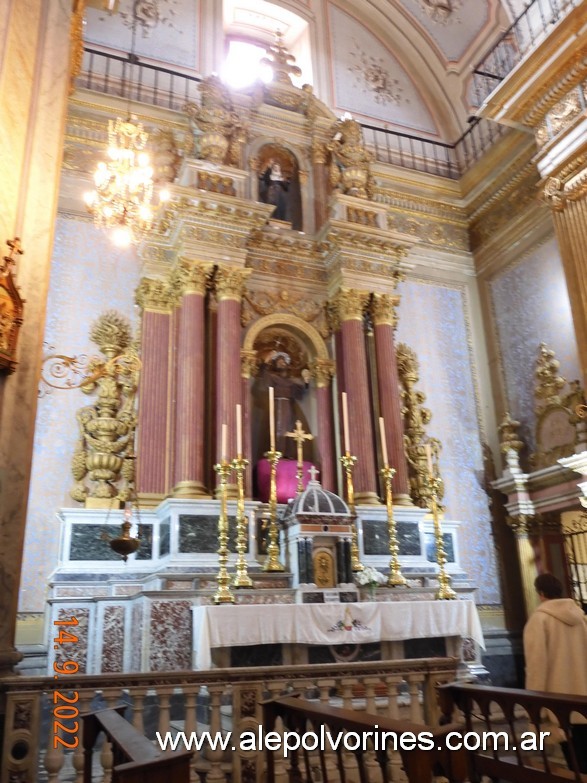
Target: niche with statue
column 279, row 184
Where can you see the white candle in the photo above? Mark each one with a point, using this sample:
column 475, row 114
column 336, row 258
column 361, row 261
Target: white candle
column 429, row 458
column 271, row 418
column 224, row 441
column 383, row 443
column 239, row 431
column 345, row 423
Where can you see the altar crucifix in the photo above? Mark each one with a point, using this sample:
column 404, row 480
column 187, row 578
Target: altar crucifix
column 300, row 436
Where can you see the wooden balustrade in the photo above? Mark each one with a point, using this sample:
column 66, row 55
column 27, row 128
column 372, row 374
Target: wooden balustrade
column 134, row 758
column 374, row 741
column 513, row 713
column 214, row 700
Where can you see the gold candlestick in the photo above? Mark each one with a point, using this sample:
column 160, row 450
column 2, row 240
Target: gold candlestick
column 223, row 594
column 395, row 578
column 241, row 577
column 348, row 462
column 273, row 563
column 445, row 591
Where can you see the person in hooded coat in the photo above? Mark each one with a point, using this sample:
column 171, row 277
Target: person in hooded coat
column 555, row 649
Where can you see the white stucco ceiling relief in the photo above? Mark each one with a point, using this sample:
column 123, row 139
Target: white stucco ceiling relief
column 452, row 25
column 369, row 81
column 166, row 30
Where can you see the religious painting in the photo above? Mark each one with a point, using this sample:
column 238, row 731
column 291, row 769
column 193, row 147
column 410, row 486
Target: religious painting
column 11, row 307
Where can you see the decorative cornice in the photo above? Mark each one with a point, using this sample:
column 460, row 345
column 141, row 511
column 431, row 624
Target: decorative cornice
column 155, row 295
column 230, row 282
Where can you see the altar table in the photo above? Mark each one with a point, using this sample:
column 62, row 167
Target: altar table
column 331, row 624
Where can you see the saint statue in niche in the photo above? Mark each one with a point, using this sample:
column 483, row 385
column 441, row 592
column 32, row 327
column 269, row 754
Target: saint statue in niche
column 273, row 189
column 279, row 184
column 288, row 389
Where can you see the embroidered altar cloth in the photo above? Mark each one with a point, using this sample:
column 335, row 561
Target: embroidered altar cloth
column 357, row 623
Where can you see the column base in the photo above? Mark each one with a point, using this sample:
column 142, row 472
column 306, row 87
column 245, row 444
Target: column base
column 402, row 500
column 231, row 492
column 367, row 499
column 190, row 489
column 8, row 660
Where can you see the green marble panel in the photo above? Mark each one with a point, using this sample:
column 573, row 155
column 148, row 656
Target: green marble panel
column 199, row 534
column 376, row 538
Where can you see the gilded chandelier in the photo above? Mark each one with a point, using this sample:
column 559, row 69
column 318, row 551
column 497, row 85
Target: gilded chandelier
column 124, row 184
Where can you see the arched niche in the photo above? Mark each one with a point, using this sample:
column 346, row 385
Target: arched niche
column 269, row 337
column 284, row 192
column 259, row 150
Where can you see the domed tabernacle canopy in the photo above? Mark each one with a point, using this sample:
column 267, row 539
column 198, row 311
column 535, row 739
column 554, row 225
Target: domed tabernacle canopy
column 316, row 501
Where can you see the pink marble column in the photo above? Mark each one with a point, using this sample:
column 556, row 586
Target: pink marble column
column 152, row 476
column 383, row 312
column 350, row 305
column 229, row 287
column 189, row 471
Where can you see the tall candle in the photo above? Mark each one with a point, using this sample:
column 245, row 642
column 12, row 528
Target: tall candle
column 429, row 458
column 239, row 431
column 224, row 442
column 272, row 418
column 383, row 443
column 345, row 423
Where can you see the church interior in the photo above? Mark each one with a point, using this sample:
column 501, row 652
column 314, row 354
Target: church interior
column 293, row 343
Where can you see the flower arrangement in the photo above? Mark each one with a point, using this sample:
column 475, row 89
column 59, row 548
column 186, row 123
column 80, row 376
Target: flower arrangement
column 369, row 577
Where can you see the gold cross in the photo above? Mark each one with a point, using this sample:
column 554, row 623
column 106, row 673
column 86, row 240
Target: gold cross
column 300, row 436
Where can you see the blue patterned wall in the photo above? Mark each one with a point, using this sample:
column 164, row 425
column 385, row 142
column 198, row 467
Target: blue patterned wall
column 531, row 305
column 433, row 322
column 88, row 276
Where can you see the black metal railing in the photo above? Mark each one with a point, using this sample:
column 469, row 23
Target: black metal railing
column 527, row 30
column 133, row 80
column 127, row 77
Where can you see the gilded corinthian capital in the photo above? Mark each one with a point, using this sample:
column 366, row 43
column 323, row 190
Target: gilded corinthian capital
column 155, row 295
column 383, row 309
column 349, row 304
column 230, row 282
column 553, row 194
column 323, row 370
column 191, row 277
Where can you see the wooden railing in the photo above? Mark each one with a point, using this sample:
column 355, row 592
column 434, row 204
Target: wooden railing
column 379, row 747
column 134, row 758
column 515, row 712
column 218, row 700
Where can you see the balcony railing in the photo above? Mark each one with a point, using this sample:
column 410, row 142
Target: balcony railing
column 527, row 30
column 135, row 81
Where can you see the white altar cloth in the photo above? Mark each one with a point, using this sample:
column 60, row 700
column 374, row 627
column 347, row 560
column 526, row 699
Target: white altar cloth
column 358, row 623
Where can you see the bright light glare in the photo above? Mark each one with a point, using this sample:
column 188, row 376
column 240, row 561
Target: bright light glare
column 122, row 236
column 242, row 65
